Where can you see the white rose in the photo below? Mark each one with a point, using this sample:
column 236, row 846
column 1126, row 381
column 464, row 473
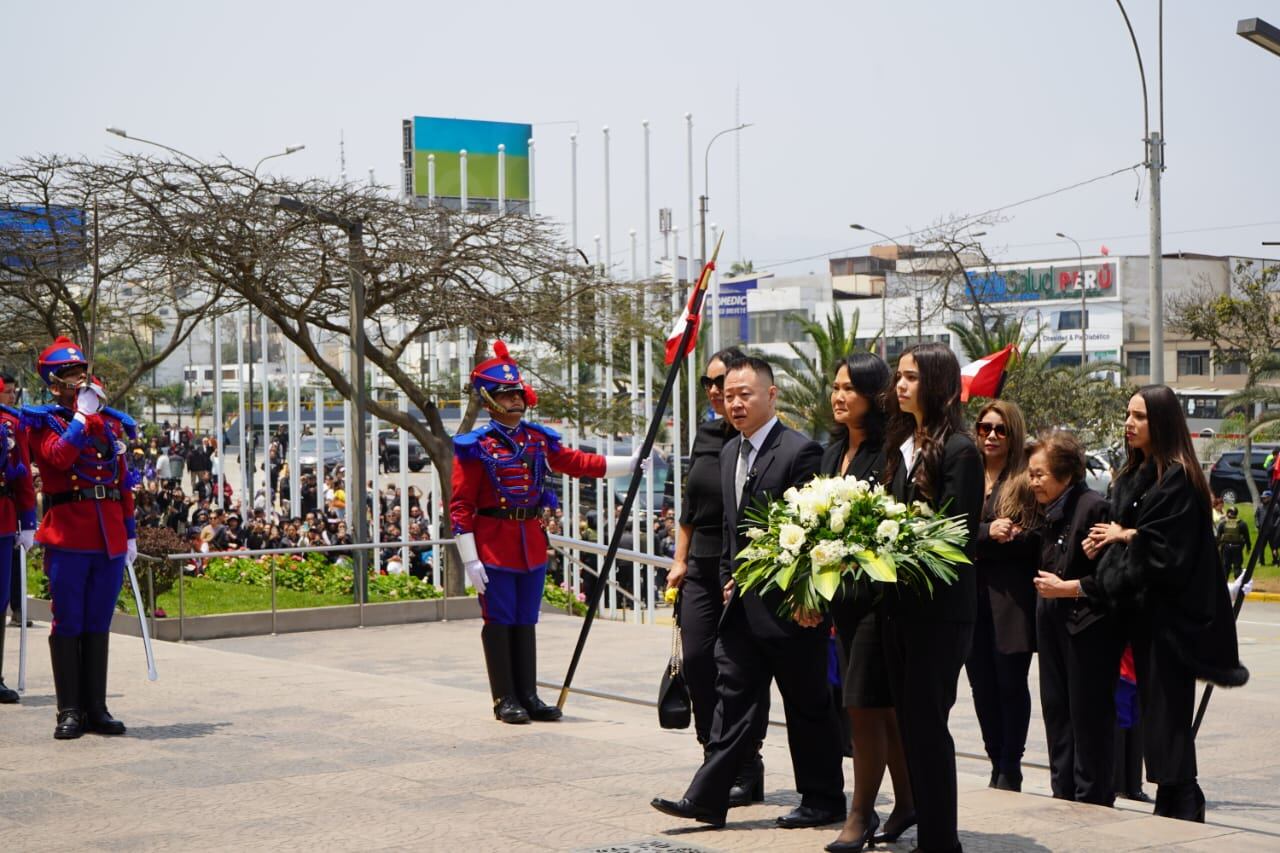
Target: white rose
column 839, row 516
column 791, row 537
column 792, row 496
column 861, row 487
column 754, row 533
column 888, row 530
column 826, row 553
column 893, row 509
column 923, row 509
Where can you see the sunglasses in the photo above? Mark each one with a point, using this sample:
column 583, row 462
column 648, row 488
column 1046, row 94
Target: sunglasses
column 985, row 429
column 707, row 382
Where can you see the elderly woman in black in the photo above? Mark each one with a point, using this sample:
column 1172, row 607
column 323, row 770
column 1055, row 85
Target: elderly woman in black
column 1160, row 572
column 1004, row 633
column 857, row 450
column 930, row 458
column 1079, row 645
column 695, row 570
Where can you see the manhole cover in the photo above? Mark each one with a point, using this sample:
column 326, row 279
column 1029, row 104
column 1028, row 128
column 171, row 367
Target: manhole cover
column 645, row 846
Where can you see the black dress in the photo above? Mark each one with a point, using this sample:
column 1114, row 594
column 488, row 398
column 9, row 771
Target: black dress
column 866, row 680
column 701, row 599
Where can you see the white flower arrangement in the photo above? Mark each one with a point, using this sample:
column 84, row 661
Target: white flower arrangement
column 812, row 538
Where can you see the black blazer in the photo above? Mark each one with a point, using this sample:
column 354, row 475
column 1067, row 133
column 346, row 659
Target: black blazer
column 703, row 509
column 1006, row 573
column 1061, row 553
column 787, row 458
column 959, row 487
column 867, row 463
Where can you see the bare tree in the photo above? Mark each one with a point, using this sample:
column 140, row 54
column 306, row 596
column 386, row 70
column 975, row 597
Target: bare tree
column 71, row 229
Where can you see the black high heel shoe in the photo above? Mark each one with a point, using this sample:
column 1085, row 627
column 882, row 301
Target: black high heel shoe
column 890, row 837
column 857, row 844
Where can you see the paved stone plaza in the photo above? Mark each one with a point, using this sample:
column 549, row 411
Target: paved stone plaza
column 380, row 739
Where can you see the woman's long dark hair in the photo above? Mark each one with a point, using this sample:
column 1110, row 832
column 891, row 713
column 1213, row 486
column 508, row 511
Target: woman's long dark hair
column 940, row 414
column 869, row 376
column 1170, row 439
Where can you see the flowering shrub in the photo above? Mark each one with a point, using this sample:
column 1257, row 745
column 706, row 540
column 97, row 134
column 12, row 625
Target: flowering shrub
column 561, row 597
column 833, row 528
column 313, row 573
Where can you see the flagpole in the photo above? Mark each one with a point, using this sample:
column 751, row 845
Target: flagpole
column 651, row 435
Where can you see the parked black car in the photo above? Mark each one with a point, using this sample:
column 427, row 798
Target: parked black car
column 389, row 452
column 1226, row 475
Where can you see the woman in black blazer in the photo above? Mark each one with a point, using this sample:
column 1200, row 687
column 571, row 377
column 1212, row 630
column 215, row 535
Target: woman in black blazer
column 1160, row 573
column 930, row 458
column 857, row 450
column 1079, row 645
column 1004, row 632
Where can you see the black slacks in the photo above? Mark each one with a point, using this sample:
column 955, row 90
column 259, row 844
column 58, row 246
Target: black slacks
column 1001, row 696
column 924, row 660
column 1078, row 674
column 701, row 605
column 745, row 664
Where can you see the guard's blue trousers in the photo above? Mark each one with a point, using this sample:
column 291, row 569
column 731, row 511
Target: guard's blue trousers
column 84, row 587
column 513, row 598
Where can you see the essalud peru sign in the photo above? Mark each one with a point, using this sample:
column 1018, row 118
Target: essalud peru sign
column 1036, row 283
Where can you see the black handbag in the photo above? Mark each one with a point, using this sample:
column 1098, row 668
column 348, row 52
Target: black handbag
column 675, row 708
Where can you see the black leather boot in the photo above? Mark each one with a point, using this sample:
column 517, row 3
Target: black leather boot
column 497, row 659
column 64, row 655
column 524, row 653
column 1181, row 801
column 748, row 787
column 1009, row 780
column 7, row 696
column 93, row 681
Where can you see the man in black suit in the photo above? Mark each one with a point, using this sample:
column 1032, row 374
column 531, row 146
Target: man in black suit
column 754, row 644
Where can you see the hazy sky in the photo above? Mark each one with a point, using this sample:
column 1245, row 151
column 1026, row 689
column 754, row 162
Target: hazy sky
column 891, row 113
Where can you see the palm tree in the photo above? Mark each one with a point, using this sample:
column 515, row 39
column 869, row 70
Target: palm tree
column 804, row 398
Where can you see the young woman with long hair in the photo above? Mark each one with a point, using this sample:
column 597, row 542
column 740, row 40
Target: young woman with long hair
column 1004, row 634
column 857, row 450
column 1160, row 571
column 930, row 458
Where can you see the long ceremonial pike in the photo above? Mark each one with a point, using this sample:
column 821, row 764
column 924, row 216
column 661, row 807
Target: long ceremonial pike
column 152, row 674
column 22, row 631
column 688, row 337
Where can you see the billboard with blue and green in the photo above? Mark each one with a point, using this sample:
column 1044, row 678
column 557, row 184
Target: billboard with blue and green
column 446, row 137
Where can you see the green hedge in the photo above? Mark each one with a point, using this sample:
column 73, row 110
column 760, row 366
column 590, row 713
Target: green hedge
column 315, row 574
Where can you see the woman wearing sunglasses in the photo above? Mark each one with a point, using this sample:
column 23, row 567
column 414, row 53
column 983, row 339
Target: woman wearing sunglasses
column 932, row 458
column 857, row 450
column 1005, row 628
column 695, row 571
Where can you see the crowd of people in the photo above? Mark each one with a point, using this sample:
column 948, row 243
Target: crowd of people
column 1122, row 598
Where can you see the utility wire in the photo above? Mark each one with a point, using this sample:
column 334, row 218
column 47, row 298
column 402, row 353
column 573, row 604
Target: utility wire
column 963, row 221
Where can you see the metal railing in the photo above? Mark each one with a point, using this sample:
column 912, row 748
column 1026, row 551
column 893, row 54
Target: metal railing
column 571, row 549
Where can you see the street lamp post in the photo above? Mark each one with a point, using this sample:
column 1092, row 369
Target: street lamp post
column 354, row 229
column 1084, row 314
column 1155, row 166
column 706, row 187
column 884, row 293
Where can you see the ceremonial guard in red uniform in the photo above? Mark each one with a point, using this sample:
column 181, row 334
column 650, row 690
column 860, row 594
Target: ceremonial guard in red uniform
column 17, row 513
column 499, row 491
column 87, row 531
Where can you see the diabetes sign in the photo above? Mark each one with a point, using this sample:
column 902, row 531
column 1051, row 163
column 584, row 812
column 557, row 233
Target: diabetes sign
column 1036, row 283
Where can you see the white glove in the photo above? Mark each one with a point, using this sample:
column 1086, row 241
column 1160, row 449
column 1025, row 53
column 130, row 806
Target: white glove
column 27, row 539
column 620, row 466
column 88, row 402
column 476, row 575
column 1233, row 587
column 471, row 564
column 131, row 551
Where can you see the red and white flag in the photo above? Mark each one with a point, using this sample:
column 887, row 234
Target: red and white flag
column 692, row 314
column 981, row 378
